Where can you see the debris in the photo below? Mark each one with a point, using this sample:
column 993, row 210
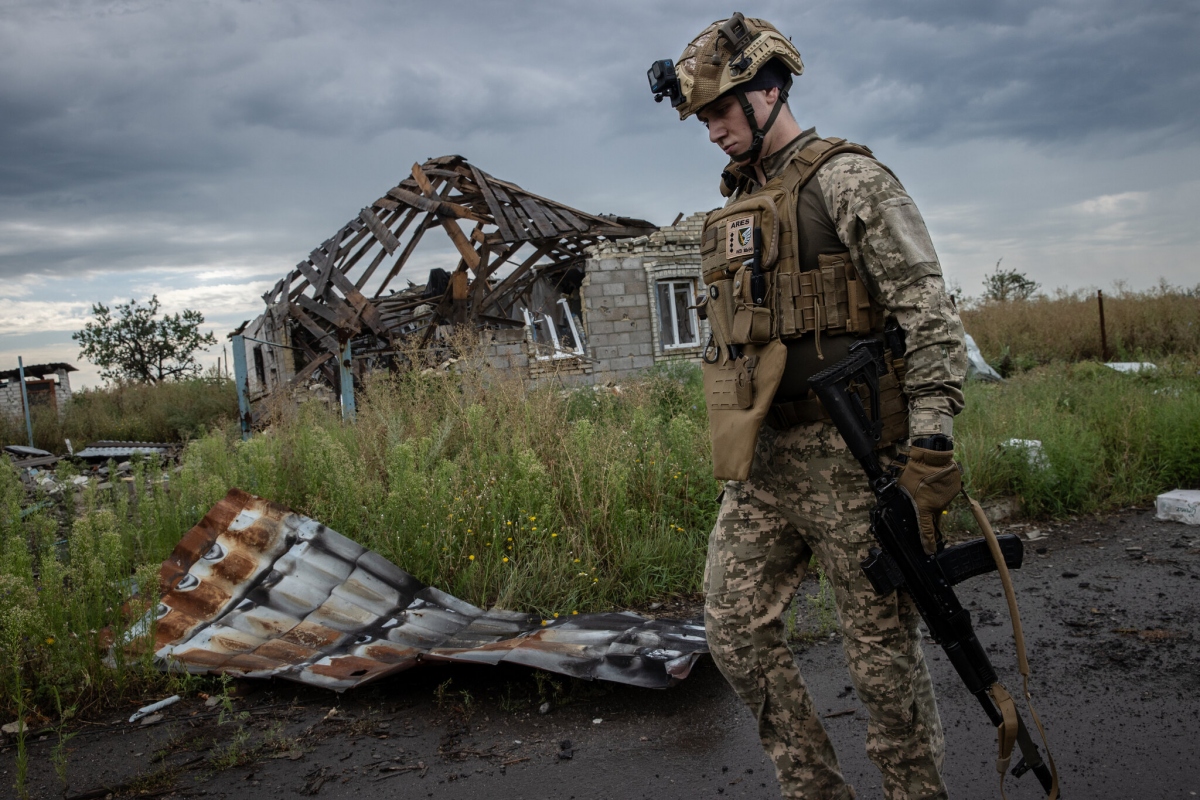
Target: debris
column 259, row 591
column 150, row 709
column 565, row 751
column 153, row 719
column 13, row 728
column 1001, row 509
column 1032, row 449
column 597, row 721
column 977, row 367
column 1181, row 505
column 544, row 708
column 843, row 713
column 1132, row 367
column 100, row 452
column 518, row 273
column 21, row 451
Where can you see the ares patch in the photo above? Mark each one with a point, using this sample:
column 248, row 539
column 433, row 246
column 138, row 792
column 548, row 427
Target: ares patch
column 739, row 237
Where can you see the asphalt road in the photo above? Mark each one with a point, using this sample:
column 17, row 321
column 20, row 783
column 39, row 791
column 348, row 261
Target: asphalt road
column 1113, row 632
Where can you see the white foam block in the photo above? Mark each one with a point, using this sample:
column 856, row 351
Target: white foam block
column 1181, row 505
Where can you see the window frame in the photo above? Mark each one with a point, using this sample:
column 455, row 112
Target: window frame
column 690, row 286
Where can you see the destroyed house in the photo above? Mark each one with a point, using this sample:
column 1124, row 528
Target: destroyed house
column 552, row 291
column 46, row 385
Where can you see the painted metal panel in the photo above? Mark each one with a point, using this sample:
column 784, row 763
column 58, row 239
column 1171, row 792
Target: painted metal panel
column 258, row 591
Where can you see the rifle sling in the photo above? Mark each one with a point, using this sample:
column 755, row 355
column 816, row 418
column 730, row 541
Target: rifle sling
column 1012, row 730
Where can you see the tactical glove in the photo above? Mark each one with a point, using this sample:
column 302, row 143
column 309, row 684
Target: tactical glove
column 931, row 478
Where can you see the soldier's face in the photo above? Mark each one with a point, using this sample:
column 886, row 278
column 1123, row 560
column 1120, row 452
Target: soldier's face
column 727, row 125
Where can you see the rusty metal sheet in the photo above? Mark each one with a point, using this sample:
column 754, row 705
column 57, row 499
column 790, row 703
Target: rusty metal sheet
column 259, row 591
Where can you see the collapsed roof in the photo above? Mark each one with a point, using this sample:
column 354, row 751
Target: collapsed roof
column 507, row 239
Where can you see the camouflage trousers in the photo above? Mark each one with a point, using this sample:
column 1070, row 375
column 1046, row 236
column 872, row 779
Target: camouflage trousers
column 807, row 495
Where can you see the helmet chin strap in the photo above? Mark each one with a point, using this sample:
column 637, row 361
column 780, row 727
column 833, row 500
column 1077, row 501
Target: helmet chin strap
column 759, row 134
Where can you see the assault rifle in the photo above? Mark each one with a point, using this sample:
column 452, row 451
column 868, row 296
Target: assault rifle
column 900, row 561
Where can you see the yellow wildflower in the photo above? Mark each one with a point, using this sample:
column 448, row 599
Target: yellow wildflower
column 505, row 559
column 470, row 558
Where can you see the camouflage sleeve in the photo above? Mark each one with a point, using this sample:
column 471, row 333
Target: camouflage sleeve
column 891, row 249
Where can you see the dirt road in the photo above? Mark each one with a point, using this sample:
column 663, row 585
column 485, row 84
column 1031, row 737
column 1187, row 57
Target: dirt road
column 1112, row 614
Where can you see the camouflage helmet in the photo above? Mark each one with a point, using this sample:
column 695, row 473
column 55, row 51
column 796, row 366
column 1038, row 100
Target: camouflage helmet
column 726, row 56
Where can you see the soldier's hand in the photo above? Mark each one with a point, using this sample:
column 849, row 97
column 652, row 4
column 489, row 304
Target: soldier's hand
column 931, row 478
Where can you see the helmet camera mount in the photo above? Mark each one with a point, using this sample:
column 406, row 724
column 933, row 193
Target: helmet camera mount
column 664, row 82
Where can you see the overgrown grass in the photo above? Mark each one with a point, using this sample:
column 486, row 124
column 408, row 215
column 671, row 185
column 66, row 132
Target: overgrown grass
column 1065, row 327
column 1108, row 439
column 545, row 500
column 173, row 411
column 550, row 500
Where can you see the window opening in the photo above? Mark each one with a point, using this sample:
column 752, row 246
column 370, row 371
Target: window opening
column 677, row 323
column 547, row 343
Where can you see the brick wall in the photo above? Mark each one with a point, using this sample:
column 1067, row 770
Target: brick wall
column 620, row 310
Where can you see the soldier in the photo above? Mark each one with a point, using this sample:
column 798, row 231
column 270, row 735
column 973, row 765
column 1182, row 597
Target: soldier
column 819, row 245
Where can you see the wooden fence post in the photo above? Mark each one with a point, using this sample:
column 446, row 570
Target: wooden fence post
column 25, row 398
column 1103, row 333
column 241, row 380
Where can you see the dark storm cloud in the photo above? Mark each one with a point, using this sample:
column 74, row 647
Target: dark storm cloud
column 1041, row 72
column 172, row 130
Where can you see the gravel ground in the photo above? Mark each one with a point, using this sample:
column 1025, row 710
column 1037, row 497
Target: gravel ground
column 1112, row 621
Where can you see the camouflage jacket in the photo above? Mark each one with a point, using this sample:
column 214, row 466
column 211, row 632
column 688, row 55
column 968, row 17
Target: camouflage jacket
column 879, row 224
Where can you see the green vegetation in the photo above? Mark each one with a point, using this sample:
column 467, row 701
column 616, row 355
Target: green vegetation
column 1021, row 333
column 549, row 500
column 1109, row 439
column 172, row 411
column 135, row 346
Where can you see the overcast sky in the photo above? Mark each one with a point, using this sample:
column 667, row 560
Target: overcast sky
column 198, row 150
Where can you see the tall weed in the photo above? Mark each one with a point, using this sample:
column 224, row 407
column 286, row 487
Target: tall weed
column 172, row 411
column 1065, row 326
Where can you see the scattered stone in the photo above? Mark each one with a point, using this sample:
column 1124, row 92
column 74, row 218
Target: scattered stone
column 1181, row 505
column 153, row 719
column 13, row 728
column 1070, row 574
column 544, row 708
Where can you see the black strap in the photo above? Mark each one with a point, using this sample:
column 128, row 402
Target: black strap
column 760, row 134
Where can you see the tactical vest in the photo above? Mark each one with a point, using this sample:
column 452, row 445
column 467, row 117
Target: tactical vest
column 830, row 300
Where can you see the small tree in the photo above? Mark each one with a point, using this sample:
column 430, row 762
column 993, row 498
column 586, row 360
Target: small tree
column 135, row 346
column 1008, row 284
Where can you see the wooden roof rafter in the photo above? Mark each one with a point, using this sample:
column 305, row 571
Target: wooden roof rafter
column 491, row 224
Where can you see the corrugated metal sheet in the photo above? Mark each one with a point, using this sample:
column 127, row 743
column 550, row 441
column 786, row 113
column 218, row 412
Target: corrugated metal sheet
column 259, row 591
column 120, row 451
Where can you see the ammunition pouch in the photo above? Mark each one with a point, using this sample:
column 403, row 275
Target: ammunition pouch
column 745, row 359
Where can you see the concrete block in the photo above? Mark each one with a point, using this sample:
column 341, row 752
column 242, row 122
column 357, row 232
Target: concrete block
column 629, row 301
column 600, row 327
column 613, row 289
column 643, row 362
column 509, row 335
